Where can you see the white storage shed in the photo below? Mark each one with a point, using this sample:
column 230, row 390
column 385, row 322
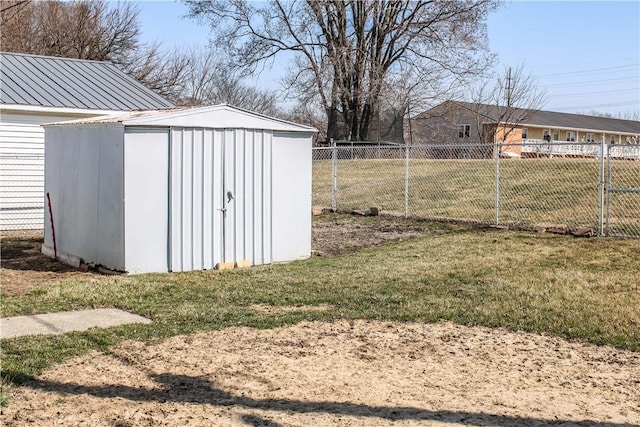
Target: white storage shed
column 178, row 190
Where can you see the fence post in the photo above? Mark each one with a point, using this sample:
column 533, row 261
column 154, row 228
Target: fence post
column 334, row 184
column 407, row 153
column 601, row 184
column 496, row 150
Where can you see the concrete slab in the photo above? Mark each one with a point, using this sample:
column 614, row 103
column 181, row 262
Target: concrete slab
column 67, row 321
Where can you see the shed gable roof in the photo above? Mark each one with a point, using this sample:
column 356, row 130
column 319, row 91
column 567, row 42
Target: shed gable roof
column 46, row 81
column 551, row 119
column 214, row 117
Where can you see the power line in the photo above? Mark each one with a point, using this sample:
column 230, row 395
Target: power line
column 587, row 71
column 604, row 92
column 589, row 82
column 616, row 104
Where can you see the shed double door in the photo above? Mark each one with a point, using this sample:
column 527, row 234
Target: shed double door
column 220, row 197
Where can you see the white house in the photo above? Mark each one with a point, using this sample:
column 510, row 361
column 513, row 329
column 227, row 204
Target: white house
column 178, row 190
column 40, row 89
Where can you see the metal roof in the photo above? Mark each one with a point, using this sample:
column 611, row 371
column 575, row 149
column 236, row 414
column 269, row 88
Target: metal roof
column 46, row 81
column 222, row 116
column 550, row 119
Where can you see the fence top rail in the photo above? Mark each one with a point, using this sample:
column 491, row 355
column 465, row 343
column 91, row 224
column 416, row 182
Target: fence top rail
column 402, row 146
column 592, row 145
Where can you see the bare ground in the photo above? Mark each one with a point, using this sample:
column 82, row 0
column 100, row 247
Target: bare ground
column 361, row 373
column 339, row 374
column 22, row 265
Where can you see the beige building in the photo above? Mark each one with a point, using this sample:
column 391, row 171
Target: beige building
column 464, row 123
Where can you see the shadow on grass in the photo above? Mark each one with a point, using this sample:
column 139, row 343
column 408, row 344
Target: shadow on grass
column 9, row 376
column 186, row 389
column 24, row 254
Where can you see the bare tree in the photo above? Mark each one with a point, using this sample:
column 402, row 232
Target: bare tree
column 95, row 30
column 506, row 102
column 15, row 25
column 165, row 72
column 207, row 81
column 346, row 50
column 76, row 29
column 407, row 93
column 9, row 9
column 494, row 110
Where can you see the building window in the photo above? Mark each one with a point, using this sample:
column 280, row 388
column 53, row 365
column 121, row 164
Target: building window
column 571, row 136
column 612, row 139
column 556, row 135
column 464, row 131
column 591, row 137
column 525, row 133
column 546, row 136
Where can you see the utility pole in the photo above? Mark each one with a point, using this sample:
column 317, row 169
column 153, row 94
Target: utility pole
column 509, row 88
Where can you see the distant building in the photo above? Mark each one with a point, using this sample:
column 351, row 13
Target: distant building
column 464, row 123
column 41, row 89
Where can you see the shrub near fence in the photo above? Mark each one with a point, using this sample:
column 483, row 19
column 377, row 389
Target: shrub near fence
column 470, row 183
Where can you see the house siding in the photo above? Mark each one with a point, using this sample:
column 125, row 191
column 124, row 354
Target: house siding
column 22, row 168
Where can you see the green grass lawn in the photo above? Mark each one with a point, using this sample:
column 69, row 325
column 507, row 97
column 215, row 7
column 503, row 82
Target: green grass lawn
column 557, row 191
column 584, row 289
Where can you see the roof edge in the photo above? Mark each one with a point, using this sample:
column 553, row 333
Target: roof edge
column 180, row 111
column 154, row 118
column 59, row 110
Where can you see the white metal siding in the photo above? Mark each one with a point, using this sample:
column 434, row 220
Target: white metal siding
column 291, row 196
column 146, row 195
column 84, row 176
column 206, row 226
column 247, row 175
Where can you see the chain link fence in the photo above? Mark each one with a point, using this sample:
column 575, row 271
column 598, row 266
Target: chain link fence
column 622, row 185
column 534, row 184
column 21, row 191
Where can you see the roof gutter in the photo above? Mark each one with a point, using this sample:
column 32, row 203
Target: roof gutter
column 55, row 110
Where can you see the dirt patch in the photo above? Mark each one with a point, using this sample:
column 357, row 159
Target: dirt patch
column 335, row 235
column 24, row 267
column 357, row 373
